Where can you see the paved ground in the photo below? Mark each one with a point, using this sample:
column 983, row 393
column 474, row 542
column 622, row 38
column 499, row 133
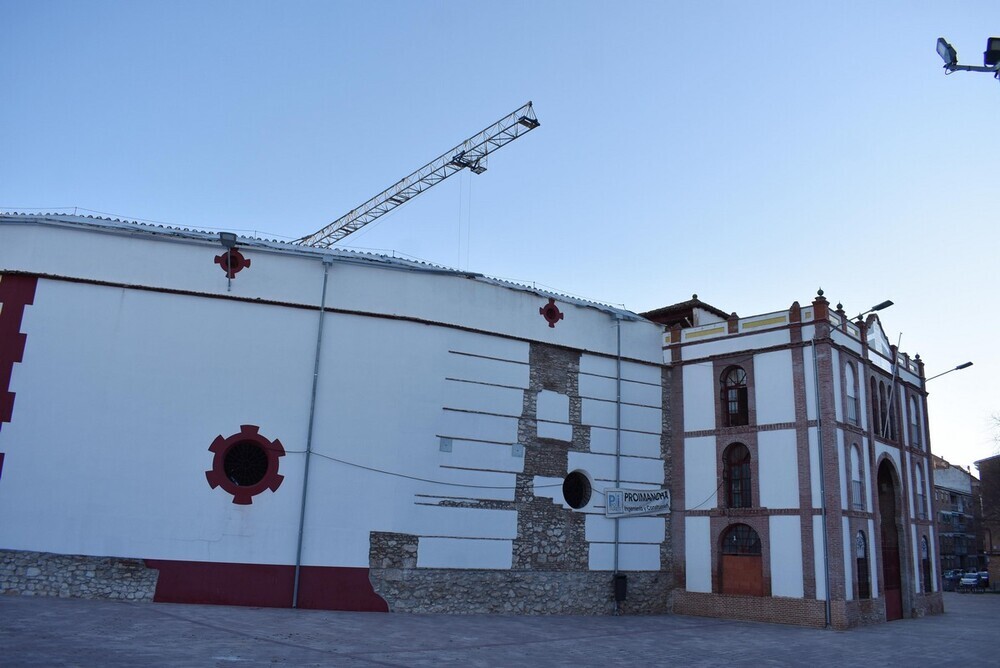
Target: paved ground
column 65, row 632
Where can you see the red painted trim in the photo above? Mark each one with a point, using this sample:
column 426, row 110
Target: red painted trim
column 16, row 292
column 265, row 585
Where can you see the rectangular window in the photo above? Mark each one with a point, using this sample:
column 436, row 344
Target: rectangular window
column 921, row 507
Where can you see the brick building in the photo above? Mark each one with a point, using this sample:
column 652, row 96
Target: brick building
column 989, row 476
column 959, row 515
column 803, row 442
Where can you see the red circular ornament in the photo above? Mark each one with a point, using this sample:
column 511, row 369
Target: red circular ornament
column 245, row 464
column 551, row 313
column 232, row 262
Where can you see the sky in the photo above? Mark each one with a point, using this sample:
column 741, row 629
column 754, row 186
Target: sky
column 747, row 152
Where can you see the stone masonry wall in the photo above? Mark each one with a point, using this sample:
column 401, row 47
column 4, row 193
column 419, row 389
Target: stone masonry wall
column 45, row 574
column 518, row 592
column 550, row 570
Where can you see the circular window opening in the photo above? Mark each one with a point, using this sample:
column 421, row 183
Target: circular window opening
column 577, row 489
column 245, row 463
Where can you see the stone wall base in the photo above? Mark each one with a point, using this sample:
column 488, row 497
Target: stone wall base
column 46, row 574
column 927, row 604
column 519, row 592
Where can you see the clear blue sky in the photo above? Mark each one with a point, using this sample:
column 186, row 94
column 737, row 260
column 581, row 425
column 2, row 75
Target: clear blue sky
column 746, row 152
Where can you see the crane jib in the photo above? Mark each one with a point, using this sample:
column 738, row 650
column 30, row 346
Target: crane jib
column 470, row 154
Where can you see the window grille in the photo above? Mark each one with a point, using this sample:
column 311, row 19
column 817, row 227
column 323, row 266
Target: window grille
column 741, row 539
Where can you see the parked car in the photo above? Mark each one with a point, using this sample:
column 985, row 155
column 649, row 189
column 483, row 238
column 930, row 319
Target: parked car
column 969, row 582
column 950, row 579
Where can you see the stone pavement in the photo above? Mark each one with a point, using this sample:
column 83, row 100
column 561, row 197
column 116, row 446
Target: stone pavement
column 75, row 632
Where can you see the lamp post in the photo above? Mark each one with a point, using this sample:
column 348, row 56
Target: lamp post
column 878, row 307
column 991, row 57
column 966, row 365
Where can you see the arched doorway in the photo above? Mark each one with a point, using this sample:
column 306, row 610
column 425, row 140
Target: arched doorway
column 740, row 562
column 891, row 572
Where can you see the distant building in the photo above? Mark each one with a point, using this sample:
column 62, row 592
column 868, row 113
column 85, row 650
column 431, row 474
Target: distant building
column 989, row 476
column 959, row 504
column 805, row 493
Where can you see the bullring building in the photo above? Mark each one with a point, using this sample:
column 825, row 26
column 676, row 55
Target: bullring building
column 277, row 425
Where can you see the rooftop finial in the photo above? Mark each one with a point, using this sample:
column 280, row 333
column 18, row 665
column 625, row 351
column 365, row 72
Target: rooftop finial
column 694, row 296
column 820, row 292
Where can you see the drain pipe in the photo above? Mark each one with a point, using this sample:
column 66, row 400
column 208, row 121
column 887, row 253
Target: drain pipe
column 327, row 261
column 822, row 484
column 618, row 440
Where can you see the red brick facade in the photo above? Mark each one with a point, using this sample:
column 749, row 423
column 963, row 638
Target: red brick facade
column 821, row 342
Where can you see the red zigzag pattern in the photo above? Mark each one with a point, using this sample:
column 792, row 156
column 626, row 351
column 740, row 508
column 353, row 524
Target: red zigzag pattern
column 16, row 292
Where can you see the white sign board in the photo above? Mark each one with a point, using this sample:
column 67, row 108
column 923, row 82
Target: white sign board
column 633, row 502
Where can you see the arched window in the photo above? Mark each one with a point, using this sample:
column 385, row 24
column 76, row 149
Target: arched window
column 737, row 476
column 852, row 394
column 740, row 562
column 876, row 414
column 883, row 411
column 857, row 489
column 861, row 559
column 925, row 563
column 918, row 484
column 914, row 423
column 735, row 406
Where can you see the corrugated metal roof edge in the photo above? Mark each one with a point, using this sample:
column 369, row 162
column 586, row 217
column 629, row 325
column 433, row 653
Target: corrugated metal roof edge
column 288, row 247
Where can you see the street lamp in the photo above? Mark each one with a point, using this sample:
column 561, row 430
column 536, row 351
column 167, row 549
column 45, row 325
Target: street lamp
column 991, row 57
column 958, row 368
column 878, row 307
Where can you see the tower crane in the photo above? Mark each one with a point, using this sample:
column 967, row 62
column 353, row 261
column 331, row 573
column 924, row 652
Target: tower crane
column 470, row 154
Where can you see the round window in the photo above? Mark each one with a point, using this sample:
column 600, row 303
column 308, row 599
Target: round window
column 577, row 489
column 245, row 463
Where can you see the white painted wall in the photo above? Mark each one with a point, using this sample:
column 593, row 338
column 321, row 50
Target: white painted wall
column 774, row 391
column 293, row 274
column 815, row 471
column 552, row 412
column 730, row 345
column 697, row 554
column 849, row 557
column 699, row 396
column 786, row 556
column 809, row 376
column 819, row 558
column 838, row 372
column 873, row 564
column 121, row 392
column 700, row 484
column 778, row 469
column 843, row 460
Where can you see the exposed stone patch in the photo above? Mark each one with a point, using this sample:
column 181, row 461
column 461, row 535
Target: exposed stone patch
column 389, row 550
column 74, row 576
column 518, row 592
